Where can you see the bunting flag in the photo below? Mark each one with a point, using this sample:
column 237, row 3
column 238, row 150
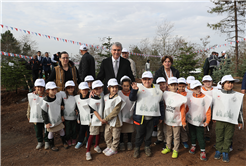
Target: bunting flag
column 15, row 55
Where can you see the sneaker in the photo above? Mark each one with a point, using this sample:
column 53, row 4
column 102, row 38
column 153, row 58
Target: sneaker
column 129, row 146
column 69, row 143
column 46, row 145
column 73, row 142
column 79, row 144
column 86, row 145
column 65, row 145
column 207, row 139
column 122, row 146
column 39, row 145
column 175, row 154
column 147, row 151
column 136, row 152
column 105, row 150
column 225, row 157
column 157, row 142
column 186, row 146
column 203, row 156
column 97, row 149
column 166, row 150
column 110, row 152
column 192, row 150
column 88, row 156
column 217, row 155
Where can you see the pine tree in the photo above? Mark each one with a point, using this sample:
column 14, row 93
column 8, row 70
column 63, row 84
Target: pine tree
column 223, row 69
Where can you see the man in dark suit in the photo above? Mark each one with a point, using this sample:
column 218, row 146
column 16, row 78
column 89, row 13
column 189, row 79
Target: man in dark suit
column 114, row 67
column 40, row 58
column 35, row 66
column 46, row 62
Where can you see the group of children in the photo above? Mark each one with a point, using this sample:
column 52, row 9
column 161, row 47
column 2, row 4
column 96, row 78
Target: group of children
column 175, row 106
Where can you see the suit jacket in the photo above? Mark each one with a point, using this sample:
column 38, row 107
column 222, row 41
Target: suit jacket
column 161, row 73
column 45, row 63
column 86, row 66
column 107, row 71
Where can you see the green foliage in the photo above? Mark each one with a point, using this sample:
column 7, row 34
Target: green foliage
column 223, row 69
column 9, row 43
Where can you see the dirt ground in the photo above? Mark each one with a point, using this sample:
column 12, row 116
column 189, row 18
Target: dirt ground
column 18, row 144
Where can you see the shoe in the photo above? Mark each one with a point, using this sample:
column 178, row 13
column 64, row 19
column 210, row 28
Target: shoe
column 73, row 142
column 164, row 145
column 166, row 150
column 110, row 152
column 129, row 146
column 207, row 139
column 52, row 145
column 46, row 145
column 86, row 145
column 192, row 150
column 122, row 146
column 225, row 157
column 217, row 155
column 64, row 142
column 39, row 146
column 79, row 144
column 203, row 156
column 88, row 156
column 105, row 150
column 97, row 149
column 157, row 142
column 147, row 151
column 136, row 152
column 69, row 142
column 175, row 154
column 186, row 146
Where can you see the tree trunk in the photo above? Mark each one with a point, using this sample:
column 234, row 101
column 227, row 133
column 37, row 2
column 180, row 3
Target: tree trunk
column 236, row 34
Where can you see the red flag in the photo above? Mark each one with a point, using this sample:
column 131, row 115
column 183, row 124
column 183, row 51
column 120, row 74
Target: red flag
column 28, row 32
column 39, row 34
column 237, row 41
column 73, row 42
column 79, row 43
column 91, row 45
column 86, row 45
column 57, row 39
column 244, row 39
column 48, row 36
column 16, row 29
column 1, row 25
column 66, row 40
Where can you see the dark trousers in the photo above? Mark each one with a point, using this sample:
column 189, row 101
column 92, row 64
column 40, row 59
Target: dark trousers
column 70, row 129
column 82, row 130
column 144, row 130
column 41, row 74
column 34, row 75
column 47, row 74
column 211, row 69
column 197, row 133
column 39, row 129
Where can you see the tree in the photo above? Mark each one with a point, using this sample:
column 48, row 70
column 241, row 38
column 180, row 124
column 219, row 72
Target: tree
column 28, row 46
column 225, row 68
column 233, row 23
column 9, row 43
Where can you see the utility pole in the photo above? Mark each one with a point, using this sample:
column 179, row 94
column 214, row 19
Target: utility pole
column 236, row 33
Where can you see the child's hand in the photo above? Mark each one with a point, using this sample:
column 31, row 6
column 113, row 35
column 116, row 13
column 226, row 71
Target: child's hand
column 205, row 124
column 184, row 127
column 134, row 86
column 48, row 126
column 62, row 118
column 78, row 121
column 240, row 126
column 160, row 121
column 62, row 107
column 92, row 93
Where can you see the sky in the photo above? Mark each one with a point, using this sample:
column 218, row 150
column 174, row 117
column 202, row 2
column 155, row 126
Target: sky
column 127, row 22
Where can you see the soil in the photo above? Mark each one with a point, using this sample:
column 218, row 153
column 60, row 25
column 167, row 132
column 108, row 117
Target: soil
column 18, row 144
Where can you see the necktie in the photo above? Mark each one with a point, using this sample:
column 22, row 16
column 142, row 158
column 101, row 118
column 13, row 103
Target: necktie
column 115, row 68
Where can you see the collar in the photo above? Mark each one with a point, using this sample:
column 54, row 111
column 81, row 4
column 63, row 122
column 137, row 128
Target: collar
column 113, row 96
column 182, row 93
column 226, row 91
column 201, row 95
column 206, row 89
column 126, row 93
column 116, row 59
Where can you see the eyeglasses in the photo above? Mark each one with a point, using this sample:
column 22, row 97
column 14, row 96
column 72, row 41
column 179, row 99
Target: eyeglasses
column 65, row 58
column 116, row 50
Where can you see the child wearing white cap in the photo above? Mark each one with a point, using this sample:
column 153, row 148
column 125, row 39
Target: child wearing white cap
column 148, row 111
column 113, row 116
column 188, row 81
column 69, row 112
column 174, row 116
column 227, row 112
column 34, row 113
column 52, row 115
column 84, row 117
column 198, row 117
column 127, row 127
column 96, row 104
column 89, row 79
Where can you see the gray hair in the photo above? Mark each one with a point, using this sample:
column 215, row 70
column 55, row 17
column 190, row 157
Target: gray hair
column 117, row 44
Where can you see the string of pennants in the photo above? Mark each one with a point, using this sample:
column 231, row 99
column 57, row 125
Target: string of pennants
column 101, row 47
column 15, row 55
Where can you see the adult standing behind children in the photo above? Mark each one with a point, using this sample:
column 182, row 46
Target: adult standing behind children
column 125, row 54
column 40, row 58
column 86, row 64
column 46, row 62
column 35, row 66
column 55, row 59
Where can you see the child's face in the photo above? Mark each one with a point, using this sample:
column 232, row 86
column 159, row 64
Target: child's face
column 84, row 92
column 228, row 85
column 126, row 86
column 147, row 82
column 181, row 87
column 163, row 86
column 70, row 89
column 113, row 90
column 197, row 90
column 173, row 87
column 98, row 90
column 52, row 92
column 207, row 84
column 89, row 84
column 39, row 89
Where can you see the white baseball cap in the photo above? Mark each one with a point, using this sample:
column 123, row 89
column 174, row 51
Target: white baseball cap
column 160, row 79
column 39, row 82
column 125, row 78
column 207, row 78
column 172, row 80
column 190, row 79
column 147, row 74
column 89, row 78
column 228, row 78
column 181, row 80
column 97, row 84
column 83, row 47
column 124, row 50
column 69, row 83
column 50, row 85
column 223, row 52
column 83, row 85
column 219, row 85
column 194, row 84
column 112, row 82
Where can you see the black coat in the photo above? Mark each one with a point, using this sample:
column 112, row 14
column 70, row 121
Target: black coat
column 107, row 72
column 86, row 66
column 161, row 73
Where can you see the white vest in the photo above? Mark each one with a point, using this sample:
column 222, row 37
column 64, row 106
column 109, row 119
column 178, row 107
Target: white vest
column 84, row 110
column 110, row 104
column 226, row 107
column 173, row 103
column 148, row 100
column 54, row 110
column 198, row 108
column 207, row 92
column 70, row 105
column 36, row 111
column 98, row 106
column 126, row 113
